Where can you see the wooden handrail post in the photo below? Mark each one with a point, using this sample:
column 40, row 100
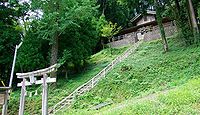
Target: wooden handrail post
column 92, row 83
column 104, row 72
column 112, row 65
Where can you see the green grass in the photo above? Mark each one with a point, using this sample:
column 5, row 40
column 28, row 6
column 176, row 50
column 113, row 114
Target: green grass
column 182, row 100
column 148, row 70
column 64, row 87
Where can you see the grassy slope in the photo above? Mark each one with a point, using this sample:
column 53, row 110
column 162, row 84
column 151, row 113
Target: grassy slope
column 147, row 71
column 64, row 87
column 183, row 100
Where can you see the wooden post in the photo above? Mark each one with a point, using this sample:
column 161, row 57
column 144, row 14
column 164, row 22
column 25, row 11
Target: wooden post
column 104, row 72
column 44, row 96
column 5, row 107
column 112, row 65
column 92, row 83
column 22, row 98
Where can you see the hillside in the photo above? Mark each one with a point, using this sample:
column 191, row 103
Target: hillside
column 182, row 100
column 147, row 71
column 64, row 86
column 59, row 38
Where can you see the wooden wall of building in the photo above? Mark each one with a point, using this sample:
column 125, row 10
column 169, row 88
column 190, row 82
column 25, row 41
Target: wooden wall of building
column 147, row 33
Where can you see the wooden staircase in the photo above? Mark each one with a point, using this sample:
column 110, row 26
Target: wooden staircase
column 67, row 101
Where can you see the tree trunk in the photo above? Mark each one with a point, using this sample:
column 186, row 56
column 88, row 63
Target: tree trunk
column 102, row 43
column 188, row 16
column 181, row 24
column 54, row 54
column 177, row 14
column 66, row 74
column 54, row 47
column 162, row 31
column 193, row 17
column 110, row 40
column 178, row 7
column 104, row 7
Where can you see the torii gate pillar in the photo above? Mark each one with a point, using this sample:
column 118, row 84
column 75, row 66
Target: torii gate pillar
column 45, row 96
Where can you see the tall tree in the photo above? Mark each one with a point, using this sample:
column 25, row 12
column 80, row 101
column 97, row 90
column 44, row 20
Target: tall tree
column 55, row 20
column 9, row 37
column 109, row 30
column 159, row 21
column 180, row 15
column 70, row 26
column 193, row 17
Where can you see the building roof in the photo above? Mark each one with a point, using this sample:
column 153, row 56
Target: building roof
column 135, row 28
column 139, row 16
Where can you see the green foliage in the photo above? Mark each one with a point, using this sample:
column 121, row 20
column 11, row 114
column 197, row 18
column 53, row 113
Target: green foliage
column 199, row 12
column 64, row 86
column 66, row 56
column 33, row 54
column 159, row 19
column 126, row 67
column 9, row 38
column 101, row 23
column 146, row 71
column 110, row 29
column 181, row 14
column 117, row 11
column 75, row 24
column 182, row 100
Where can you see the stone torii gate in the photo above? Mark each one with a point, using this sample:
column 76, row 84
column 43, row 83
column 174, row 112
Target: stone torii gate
column 29, row 79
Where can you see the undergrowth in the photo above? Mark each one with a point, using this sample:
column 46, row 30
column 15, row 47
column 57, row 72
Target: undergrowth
column 64, row 87
column 146, row 71
column 184, row 100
